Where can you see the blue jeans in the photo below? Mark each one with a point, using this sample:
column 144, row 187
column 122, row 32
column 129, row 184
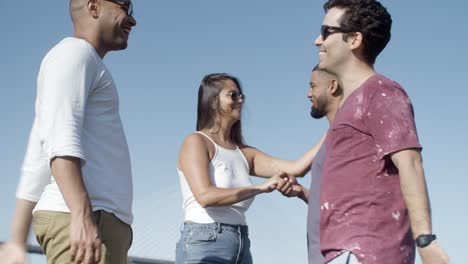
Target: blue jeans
column 215, row 243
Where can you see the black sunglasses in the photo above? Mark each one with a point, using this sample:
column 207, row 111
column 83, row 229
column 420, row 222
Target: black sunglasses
column 126, row 5
column 236, row 96
column 326, row 31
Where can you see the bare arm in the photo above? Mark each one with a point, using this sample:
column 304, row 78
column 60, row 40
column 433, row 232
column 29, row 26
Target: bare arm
column 414, row 189
column 298, row 191
column 194, row 159
column 264, row 165
column 85, row 243
column 303, row 194
column 14, row 251
column 21, row 221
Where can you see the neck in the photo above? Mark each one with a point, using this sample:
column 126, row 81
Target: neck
column 222, row 132
column 351, row 80
column 334, row 107
column 89, row 37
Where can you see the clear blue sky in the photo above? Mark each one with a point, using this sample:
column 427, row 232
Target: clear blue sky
column 269, row 46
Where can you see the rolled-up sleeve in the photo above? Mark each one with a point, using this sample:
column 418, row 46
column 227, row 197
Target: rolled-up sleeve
column 35, row 173
column 64, row 85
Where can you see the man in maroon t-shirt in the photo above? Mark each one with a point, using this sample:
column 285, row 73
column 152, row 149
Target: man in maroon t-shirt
column 373, row 195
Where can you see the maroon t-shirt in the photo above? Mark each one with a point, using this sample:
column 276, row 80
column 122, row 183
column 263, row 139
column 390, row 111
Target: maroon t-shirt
column 362, row 208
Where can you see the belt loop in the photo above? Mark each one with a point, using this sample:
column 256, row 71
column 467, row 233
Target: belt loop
column 218, row 227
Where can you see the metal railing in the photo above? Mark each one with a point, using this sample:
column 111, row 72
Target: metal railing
column 33, row 249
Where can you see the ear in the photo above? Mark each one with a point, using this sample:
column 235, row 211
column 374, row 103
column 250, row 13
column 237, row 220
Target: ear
column 333, row 86
column 94, row 8
column 356, row 40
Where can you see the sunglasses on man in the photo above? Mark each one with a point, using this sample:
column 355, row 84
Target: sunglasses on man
column 326, row 31
column 125, row 5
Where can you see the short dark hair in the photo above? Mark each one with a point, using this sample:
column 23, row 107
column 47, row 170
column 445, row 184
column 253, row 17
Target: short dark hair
column 209, row 89
column 370, row 18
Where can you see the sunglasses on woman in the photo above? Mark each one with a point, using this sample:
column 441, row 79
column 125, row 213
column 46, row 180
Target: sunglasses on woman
column 236, row 96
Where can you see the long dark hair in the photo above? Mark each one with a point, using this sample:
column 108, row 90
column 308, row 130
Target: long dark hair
column 210, row 87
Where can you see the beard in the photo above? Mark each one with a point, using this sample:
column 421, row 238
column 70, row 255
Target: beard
column 316, row 113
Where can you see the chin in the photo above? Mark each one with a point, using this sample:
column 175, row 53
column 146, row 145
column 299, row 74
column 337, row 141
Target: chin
column 123, row 46
column 237, row 117
column 120, row 45
column 322, row 65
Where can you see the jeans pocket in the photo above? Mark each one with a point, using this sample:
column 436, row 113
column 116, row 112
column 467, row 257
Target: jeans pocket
column 200, row 236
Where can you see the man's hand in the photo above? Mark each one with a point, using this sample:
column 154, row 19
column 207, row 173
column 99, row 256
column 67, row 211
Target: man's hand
column 433, row 254
column 85, row 241
column 286, row 183
column 295, row 191
column 12, row 253
column 280, row 181
column 298, row 191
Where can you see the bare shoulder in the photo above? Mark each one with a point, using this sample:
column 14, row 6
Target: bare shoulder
column 248, row 151
column 198, row 143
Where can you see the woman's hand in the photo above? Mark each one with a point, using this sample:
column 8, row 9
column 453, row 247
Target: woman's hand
column 280, row 181
column 269, row 185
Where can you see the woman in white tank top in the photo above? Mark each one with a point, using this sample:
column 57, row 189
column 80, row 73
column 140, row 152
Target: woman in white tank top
column 214, row 168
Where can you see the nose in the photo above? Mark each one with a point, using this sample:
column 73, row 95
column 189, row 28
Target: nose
column 309, row 93
column 318, row 41
column 132, row 21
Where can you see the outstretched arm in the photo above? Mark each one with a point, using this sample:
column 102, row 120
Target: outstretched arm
column 303, row 193
column 264, row 165
column 194, row 159
column 298, row 191
column 414, row 190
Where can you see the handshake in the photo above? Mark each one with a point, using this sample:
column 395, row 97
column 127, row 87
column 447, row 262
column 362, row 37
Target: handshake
column 285, row 184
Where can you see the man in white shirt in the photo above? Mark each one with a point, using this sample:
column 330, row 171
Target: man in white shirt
column 76, row 176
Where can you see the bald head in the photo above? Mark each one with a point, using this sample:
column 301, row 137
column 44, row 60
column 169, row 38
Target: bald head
column 77, row 8
column 105, row 25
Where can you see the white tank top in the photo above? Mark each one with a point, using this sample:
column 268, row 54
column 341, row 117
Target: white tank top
column 227, row 169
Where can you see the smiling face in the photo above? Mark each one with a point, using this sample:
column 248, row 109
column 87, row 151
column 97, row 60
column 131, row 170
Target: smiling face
column 228, row 107
column 318, row 95
column 220, row 102
column 115, row 25
column 333, row 51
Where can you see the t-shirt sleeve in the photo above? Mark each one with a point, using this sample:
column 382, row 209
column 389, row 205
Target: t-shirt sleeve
column 65, row 82
column 391, row 120
column 35, row 173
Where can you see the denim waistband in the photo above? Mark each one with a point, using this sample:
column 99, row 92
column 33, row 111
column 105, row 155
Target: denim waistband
column 243, row 229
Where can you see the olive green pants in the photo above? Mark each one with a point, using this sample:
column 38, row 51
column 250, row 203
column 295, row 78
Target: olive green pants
column 53, row 234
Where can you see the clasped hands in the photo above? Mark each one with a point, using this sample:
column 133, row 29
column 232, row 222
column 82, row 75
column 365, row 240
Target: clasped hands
column 284, row 183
